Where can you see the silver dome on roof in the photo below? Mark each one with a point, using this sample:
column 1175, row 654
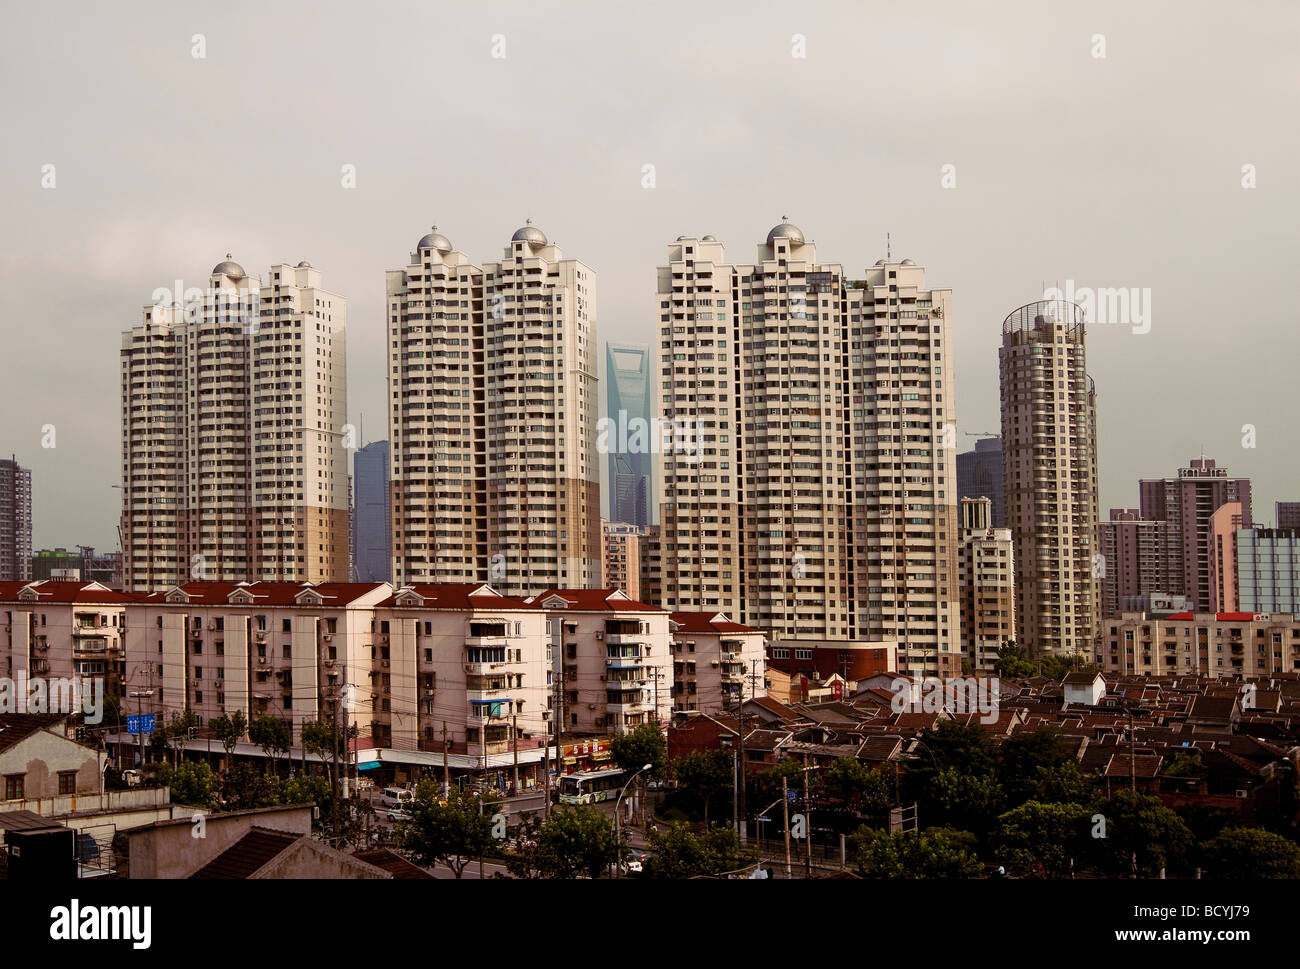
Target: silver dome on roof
column 908, row 262
column 786, row 230
column 228, row 268
column 303, row 265
column 880, row 262
column 529, row 234
column 709, row 239
column 434, row 240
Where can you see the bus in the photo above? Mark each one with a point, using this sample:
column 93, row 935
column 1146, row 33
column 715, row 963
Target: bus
column 590, row 786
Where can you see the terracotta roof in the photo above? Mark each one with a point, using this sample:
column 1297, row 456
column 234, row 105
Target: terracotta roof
column 461, row 595
column 394, row 864
column 246, row 856
column 775, row 706
column 265, row 593
column 708, row 622
column 65, row 592
column 1219, row 616
column 15, row 727
column 595, row 600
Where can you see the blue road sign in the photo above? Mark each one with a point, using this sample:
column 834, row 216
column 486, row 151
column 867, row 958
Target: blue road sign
column 140, row 724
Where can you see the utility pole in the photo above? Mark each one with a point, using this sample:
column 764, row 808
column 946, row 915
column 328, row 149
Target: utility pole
column 446, row 769
column 785, row 810
column 1132, row 764
column 514, row 731
column 807, row 814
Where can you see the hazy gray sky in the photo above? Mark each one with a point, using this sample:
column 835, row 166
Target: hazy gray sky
column 1117, row 171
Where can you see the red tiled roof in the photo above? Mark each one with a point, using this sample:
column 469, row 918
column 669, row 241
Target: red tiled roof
column 1219, row 616
column 267, row 593
column 708, row 622
column 596, row 600
column 393, row 863
column 251, row 852
column 17, row 726
column 461, row 595
column 64, row 592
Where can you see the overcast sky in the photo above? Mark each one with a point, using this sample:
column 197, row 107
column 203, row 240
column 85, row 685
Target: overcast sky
column 1122, row 171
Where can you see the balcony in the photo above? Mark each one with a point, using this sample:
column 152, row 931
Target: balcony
column 625, row 639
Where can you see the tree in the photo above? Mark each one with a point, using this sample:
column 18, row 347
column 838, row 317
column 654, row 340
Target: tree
column 859, row 787
column 243, row 787
column 577, row 840
column 1037, row 765
column 453, row 832
column 704, row 773
column 273, row 735
column 677, row 852
column 229, row 728
column 324, row 739
column 191, row 782
column 1013, row 663
column 933, row 853
column 1141, row 831
column 1044, row 840
column 307, row 789
column 644, row 745
column 789, row 769
column 1249, row 853
column 177, row 731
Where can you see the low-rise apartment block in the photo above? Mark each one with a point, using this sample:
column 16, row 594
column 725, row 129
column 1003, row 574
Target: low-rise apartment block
column 1224, row 644
column 614, row 657
column 63, row 629
column 717, row 663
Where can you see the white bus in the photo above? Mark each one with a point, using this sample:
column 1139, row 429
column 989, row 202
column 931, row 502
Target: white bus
column 590, row 786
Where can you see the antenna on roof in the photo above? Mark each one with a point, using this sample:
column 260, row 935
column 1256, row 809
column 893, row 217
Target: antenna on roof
column 889, row 251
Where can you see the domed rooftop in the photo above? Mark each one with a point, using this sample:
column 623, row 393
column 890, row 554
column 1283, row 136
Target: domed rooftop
column 228, row 268
column 786, row 230
column 908, row 262
column 303, row 265
column 880, row 262
column 529, row 234
column 709, row 239
column 434, row 240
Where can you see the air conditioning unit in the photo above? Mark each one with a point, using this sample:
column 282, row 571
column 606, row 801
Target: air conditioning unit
column 212, row 625
column 329, row 638
column 1241, row 793
column 591, row 706
column 600, row 635
column 384, row 662
column 329, row 662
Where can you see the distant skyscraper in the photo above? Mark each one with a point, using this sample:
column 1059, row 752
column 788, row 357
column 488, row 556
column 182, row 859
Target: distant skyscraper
column 233, row 413
column 1225, row 525
column 372, row 556
column 821, row 502
column 631, row 408
column 1187, row 503
column 1049, row 446
column 15, row 522
column 622, row 558
column 979, row 475
column 1268, row 571
column 1288, row 514
column 987, row 581
column 1133, row 552
column 492, row 378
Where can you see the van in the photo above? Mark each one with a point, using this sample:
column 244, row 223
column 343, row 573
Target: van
column 392, row 797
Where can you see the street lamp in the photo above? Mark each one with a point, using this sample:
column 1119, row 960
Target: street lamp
column 618, row 844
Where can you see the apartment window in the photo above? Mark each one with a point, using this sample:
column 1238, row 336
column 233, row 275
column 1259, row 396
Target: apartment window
column 67, row 782
column 14, row 787
column 287, row 625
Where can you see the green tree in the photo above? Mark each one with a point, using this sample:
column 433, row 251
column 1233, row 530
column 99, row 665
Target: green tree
column 229, row 728
column 454, row 832
column 273, row 735
column 576, row 840
column 191, row 782
column 644, row 745
column 1141, row 830
column 1044, row 840
column 244, row 787
column 307, row 789
column 933, row 853
column 865, row 790
column 968, row 802
column 1037, row 765
column 677, row 852
column 177, row 732
column 704, row 773
column 1249, row 853
column 1013, row 663
column 789, row 769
